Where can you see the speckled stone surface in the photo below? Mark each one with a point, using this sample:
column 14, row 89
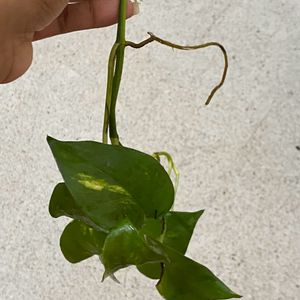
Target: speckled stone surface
column 238, row 157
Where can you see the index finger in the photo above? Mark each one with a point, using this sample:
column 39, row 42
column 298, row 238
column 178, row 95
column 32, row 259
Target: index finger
column 85, row 15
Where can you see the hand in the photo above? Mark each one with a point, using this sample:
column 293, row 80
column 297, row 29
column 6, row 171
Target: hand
column 22, row 22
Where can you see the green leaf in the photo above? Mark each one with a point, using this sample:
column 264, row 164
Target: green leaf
column 186, row 279
column 151, row 270
column 109, row 183
column 80, row 241
column 152, row 228
column 125, row 246
column 179, row 227
column 62, row 203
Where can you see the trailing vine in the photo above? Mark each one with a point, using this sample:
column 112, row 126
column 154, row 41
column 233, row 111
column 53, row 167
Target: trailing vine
column 121, row 199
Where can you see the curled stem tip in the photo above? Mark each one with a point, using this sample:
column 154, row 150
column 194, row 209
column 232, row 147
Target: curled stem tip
column 171, row 166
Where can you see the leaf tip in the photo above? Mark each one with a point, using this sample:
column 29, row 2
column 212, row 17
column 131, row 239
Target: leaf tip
column 111, row 275
column 49, row 138
column 105, row 275
column 237, row 296
column 115, row 279
column 200, row 212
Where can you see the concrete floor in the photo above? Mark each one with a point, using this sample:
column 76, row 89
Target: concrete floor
column 238, row 157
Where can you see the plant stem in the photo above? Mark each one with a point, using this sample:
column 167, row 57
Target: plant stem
column 110, row 76
column 118, row 72
column 115, row 70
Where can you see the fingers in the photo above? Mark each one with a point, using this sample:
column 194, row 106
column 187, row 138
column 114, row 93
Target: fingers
column 85, row 15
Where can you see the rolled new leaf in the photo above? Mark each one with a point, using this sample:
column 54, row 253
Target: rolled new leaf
column 109, row 183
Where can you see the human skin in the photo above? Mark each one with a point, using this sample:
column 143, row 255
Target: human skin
column 23, row 22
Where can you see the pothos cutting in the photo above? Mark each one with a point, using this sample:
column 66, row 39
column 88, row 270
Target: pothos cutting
column 121, row 199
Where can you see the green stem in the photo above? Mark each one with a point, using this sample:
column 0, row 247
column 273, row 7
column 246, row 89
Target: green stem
column 113, row 133
column 122, row 21
column 109, row 88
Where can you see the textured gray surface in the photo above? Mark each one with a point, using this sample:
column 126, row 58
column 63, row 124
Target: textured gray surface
column 237, row 157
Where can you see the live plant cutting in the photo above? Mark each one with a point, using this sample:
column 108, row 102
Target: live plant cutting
column 121, row 200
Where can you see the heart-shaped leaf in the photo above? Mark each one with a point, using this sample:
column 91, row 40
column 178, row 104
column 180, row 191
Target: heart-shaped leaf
column 109, row 183
column 80, row 241
column 186, row 279
column 125, row 246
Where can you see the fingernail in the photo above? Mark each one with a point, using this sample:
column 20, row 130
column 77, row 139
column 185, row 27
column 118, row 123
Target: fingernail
column 136, row 8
